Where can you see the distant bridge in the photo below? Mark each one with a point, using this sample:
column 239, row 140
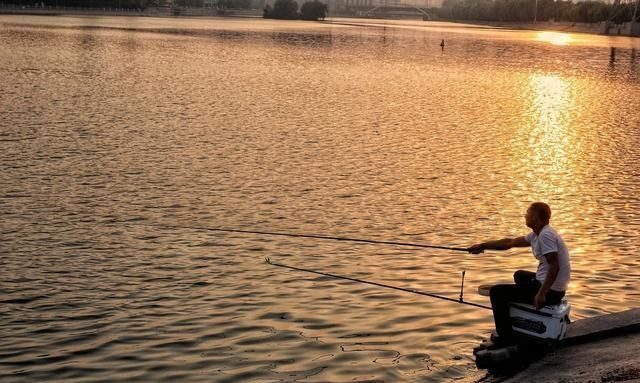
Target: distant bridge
column 388, row 8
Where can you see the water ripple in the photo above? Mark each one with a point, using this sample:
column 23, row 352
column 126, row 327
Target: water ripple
column 111, row 126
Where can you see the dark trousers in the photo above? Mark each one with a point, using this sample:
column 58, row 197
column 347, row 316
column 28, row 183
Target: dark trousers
column 525, row 289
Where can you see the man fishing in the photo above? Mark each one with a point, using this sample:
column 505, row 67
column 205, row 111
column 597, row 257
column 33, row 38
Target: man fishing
column 547, row 285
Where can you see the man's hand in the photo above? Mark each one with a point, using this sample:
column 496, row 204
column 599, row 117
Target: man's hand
column 476, row 249
column 554, row 268
column 501, row 244
column 539, row 300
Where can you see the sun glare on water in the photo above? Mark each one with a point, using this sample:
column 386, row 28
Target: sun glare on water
column 555, row 38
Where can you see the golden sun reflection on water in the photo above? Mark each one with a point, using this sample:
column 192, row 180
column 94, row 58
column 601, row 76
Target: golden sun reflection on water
column 551, row 141
column 548, row 146
column 555, row 38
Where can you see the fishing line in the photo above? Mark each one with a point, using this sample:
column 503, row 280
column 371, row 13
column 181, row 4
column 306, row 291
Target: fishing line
column 460, row 300
column 325, row 237
column 314, row 236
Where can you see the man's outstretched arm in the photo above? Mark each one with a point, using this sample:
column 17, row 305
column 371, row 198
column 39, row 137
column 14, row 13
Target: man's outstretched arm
column 501, row 244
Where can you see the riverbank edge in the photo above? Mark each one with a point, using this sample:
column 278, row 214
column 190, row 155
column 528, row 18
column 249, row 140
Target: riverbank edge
column 605, row 348
column 554, row 26
column 615, row 359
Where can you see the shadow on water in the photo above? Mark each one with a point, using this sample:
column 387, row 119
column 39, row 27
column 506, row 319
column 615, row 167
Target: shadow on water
column 623, row 63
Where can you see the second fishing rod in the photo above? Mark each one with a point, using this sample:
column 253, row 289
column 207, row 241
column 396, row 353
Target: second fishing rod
column 334, row 238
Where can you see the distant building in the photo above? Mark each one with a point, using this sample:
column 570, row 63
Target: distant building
column 344, row 5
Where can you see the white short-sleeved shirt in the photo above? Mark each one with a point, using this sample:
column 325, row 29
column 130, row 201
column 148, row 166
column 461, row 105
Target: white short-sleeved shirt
column 549, row 241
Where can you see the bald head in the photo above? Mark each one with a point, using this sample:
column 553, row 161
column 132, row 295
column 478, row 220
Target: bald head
column 538, row 215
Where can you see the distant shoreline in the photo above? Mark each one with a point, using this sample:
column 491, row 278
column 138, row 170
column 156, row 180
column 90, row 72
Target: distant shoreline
column 556, row 26
column 151, row 12
column 566, row 27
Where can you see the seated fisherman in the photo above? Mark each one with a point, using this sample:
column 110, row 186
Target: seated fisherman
column 547, row 285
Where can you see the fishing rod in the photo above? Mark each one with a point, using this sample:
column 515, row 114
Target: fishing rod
column 314, row 236
column 460, row 300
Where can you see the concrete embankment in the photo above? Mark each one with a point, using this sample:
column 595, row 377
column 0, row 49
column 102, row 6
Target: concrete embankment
column 615, row 359
column 600, row 349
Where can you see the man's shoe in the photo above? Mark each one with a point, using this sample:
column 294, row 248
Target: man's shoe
column 500, row 342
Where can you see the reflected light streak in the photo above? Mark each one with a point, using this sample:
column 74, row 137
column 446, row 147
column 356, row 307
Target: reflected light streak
column 548, row 148
column 550, row 142
column 555, row 38
column 546, row 145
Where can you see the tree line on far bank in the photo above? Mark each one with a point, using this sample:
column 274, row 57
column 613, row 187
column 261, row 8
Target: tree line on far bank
column 281, row 9
column 288, row 10
column 588, row 11
column 132, row 4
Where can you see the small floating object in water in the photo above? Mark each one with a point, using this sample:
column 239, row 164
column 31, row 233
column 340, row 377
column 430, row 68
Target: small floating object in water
column 442, row 44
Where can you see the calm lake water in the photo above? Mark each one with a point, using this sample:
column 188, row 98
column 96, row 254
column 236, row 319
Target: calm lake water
column 112, row 126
